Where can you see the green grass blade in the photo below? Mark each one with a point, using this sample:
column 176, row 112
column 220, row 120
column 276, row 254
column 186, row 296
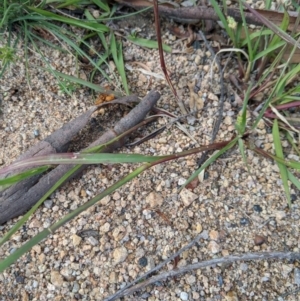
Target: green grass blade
column 222, row 18
column 22, row 250
column 147, row 43
column 23, row 175
column 283, row 26
column 241, row 121
column 116, row 51
column 210, row 160
column 242, row 151
column 74, row 22
column 83, row 82
column 286, row 79
column 291, row 141
column 81, row 158
column 65, row 177
column 294, row 180
column 269, row 50
column 249, row 42
column 103, row 5
column 279, row 153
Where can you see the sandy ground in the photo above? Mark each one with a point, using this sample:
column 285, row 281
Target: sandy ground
column 147, row 220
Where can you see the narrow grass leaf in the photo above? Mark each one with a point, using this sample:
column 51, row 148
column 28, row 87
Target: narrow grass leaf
column 242, row 151
column 291, row 141
column 221, row 16
column 147, row 43
column 23, row 175
column 212, row 159
column 74, row 22
column 269, row 50
column 103, row 5
column 241, row 121
column 283, row 26
column 116, row 50
column 285, row 36
column 283, row 119
column 294, row 180
column 80, row 158
column 249, row 42
column 84, row 83
column 287, row 79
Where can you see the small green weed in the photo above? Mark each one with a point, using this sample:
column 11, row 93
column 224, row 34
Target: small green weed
column 67, row 86
column 7, row 55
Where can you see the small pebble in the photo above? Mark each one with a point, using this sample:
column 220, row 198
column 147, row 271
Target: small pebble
column 259, row 240
column 293, row 198
column 184, row 296
column 36, row 133
column 244, row 221
column 297, row 276
column 220, row 280
column 12, row 250
column 75, row 288
column 214, row 247
column 120, row 254
column 257, row 208
column 20, row 279
column 56, row 279
column 214, row 235
column 48, row 203
column 143, row 261
column 76, row 240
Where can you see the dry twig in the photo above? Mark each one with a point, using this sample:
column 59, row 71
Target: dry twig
column 200, row 265
column 162, row 59
column 221, row 100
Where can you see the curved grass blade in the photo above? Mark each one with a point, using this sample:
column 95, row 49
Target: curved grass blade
column 117, row 54
column 23, row 175
column 80, row 158
column 148, row 43
column 78, row 23
column 294, row 180
column 210, row 160
column 84, row 83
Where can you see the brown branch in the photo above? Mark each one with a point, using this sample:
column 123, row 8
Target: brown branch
column 204, row 264
column 19, row 198
column 162, row 58
column 197, row 13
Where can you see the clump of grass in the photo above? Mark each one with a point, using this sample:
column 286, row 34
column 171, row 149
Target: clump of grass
column 265, row 49
column 52, row 23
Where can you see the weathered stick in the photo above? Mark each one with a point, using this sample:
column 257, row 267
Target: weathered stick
column 204, row 264
column 190, row 15
column 18, row 198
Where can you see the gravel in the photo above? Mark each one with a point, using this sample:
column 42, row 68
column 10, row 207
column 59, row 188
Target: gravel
column 100, row 251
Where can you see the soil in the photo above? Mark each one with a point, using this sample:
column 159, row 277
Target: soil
column 148, row 219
